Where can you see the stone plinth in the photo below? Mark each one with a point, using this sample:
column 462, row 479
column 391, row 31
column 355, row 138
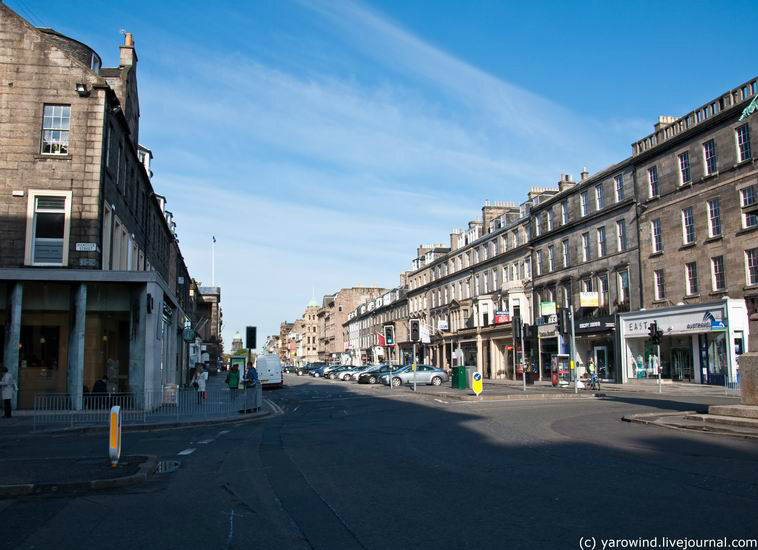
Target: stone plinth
column 748, row 363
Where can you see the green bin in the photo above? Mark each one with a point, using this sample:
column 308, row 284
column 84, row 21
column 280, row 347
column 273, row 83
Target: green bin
column 460, row 378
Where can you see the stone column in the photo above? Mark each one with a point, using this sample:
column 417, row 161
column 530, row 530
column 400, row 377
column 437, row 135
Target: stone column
column 137, row 348
column 13, row 333
column 75, row 360
column 748, row 363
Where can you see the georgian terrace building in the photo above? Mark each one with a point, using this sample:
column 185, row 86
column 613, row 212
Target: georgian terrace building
column 364, row 329
column 468, row 296
column 698, row 189
column 584, row 239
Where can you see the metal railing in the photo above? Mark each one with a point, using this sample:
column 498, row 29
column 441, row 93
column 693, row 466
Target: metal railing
column 171, row 404
column 732, row 388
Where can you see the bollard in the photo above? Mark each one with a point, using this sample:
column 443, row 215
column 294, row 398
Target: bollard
column 114, row 439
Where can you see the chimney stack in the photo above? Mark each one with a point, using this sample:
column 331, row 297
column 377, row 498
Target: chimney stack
column 585, row 174
column 127, row 57
column 565, row 183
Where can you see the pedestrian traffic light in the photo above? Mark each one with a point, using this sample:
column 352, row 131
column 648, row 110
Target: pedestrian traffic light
column 415, row 330
column 389, row 335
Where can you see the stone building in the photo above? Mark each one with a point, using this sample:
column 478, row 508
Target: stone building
column 697, row 184
column 363, row 329
column 332, row 316
column 91, row 279
column 584, row 240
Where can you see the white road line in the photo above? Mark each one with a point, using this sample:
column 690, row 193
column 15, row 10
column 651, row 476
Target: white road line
column 296, row 408
column 222, row 432
column 204, row 441
column 186, row 452
column 440, row 401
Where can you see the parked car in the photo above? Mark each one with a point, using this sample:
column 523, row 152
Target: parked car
column 352, row 373
column 307, row 368
column 336, row 373
column 425, row 374
column 371, row 376
column 322, row 370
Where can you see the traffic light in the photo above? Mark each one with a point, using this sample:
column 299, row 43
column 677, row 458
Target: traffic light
column 250, row 343
column 389, row 335
column 517, row 327
column 654, row 333
column 415, row 330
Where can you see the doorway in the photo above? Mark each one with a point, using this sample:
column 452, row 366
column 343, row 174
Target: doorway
column 600, row 355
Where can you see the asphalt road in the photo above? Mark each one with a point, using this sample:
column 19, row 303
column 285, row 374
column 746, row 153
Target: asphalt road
column 351, row 467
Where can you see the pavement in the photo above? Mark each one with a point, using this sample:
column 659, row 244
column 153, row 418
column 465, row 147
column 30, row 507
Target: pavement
column 343, row 466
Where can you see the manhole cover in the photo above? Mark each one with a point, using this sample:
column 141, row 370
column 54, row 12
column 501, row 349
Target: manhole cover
column 167, row 466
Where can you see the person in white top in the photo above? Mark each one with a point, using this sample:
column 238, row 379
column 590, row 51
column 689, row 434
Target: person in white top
column 198, row 382
column 8, row 386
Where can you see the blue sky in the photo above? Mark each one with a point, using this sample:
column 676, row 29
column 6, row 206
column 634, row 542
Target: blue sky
column 321, row 142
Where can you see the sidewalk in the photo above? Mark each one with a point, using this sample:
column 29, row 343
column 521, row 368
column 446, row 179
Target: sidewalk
column 680, row 388
column 22, row 422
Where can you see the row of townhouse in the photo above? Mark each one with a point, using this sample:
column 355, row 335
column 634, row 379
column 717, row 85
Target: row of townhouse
column 92, row 279
column 669, row 235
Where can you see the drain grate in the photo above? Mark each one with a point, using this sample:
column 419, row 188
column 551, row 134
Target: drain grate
column 167, row 466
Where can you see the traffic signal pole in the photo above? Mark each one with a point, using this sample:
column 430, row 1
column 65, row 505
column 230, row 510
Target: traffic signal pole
column 572, row 364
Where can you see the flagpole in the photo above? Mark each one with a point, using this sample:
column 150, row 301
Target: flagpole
column 213, row 261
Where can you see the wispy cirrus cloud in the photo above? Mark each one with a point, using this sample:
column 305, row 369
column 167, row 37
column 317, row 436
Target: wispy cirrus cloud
column 332, row 176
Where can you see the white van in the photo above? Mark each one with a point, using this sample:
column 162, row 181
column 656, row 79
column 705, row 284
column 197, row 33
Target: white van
column 269, row 371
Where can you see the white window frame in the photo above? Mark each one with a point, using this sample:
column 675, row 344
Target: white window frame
column 753, row 252
column 599, row 197
column 65, row 132
column 659, row 284
column 618, row 187
column 688, row 278
column 656, row 224
column 710, row 155
column 30, row 229
column 713, row 209
column 586, row 247
column 584, row 200
column 602, row 244
column 714, row 273
column 688, row 213
column 743, row 203
column 741, row 156
column 621, row 243
column 565, row 252
column 564, row 212
column 538, row 262
column 682, row 168
column 551, row 258
column 653, row 184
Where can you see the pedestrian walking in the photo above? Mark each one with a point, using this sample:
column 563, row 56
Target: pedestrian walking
column 198, row 382
column 101, row 386
column 252, row 374
column 233, row 381
column 8, row 387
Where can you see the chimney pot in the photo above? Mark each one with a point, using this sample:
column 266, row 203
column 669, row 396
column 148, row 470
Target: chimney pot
column 129, row 40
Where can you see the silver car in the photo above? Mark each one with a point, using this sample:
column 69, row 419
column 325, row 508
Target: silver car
column 353, row 373
column 425, row 374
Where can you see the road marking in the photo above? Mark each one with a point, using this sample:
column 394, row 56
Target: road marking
column 204, row 441
column 186, row 452
column 296, row 408
column 222, row 432
column 440, row 401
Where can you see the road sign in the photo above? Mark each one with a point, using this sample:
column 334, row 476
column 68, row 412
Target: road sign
column 476, row 382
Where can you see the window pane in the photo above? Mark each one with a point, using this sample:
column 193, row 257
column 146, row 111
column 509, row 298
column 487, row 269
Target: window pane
column 49, row 225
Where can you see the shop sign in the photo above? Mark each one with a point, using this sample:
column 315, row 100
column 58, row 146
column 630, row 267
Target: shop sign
column 547, row 331
column 601, row 323
column 681, row 323
column 442, row 325
column 547, row 308
column 589, row 299
column 502, row 317
column 189, row 334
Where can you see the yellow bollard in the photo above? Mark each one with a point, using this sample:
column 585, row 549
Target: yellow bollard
column 114, row 441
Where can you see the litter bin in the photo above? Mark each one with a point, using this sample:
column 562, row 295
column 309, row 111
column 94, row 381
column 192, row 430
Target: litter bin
column 530, row 377
column 459, row 380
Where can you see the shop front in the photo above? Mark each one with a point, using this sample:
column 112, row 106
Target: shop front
column 596, row 341
column 548, row 344
column 700, row 343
